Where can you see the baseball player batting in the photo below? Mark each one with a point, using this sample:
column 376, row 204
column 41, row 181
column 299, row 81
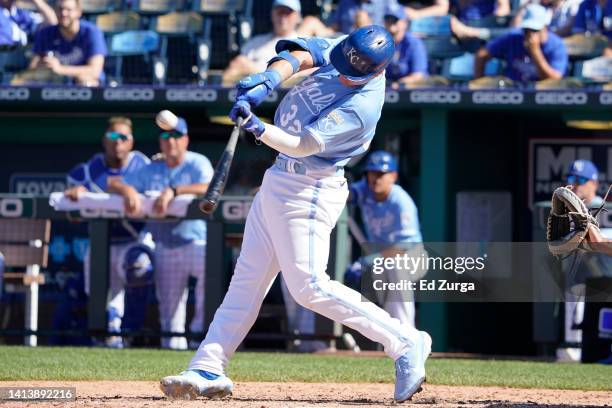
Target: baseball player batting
column 319, row 126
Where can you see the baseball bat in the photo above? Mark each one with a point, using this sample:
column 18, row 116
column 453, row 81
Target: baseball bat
column 219, row 179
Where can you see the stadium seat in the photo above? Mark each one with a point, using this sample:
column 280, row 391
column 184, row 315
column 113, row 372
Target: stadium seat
column 431, row 27
column 157, row 7
column 491, row 22
column 462, row 68
column 185, row 46
column 118, row 21
column 100, row 6
column 231, row 24
column 580, row 46
column 594, row 70
column 133, row 59
column 12, row 60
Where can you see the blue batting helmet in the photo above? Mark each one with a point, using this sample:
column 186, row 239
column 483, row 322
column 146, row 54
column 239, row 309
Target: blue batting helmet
column 137, row 265
column 381, row 161
column 364, row 53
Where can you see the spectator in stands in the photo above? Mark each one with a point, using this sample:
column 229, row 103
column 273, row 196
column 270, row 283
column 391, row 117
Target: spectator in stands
column 561, row 15
column 532, row 53
column 18, row 26
column 74, row 48
column 409, row 63
column 466, row 11
column 352, row 14
column 118, row 160
column 595, row 17
column 436, row 8
column 255, row 53
column 180, row 246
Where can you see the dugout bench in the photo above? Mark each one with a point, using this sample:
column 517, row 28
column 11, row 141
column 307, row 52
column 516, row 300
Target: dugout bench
column 225, row 225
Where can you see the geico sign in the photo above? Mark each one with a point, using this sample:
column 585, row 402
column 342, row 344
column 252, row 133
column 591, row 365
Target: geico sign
column 561, row 98
column 235, row 210
column 14, row 94
column 136, row 94
column 497, row 98
column 605, row 98
column 435, row 97
column 392, row 97
column 191, row 95
column 11, row 207
column 66, row 94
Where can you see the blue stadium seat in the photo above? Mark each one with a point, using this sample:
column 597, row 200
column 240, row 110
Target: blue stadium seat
column 12, row 60
column 133, row 58
column 431, row 27
column 462, row 68
column 117, row 22
column 491, row 22
column 185, row 46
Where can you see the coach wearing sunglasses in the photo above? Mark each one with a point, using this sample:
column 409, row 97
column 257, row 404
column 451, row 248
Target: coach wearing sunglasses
column 116, row 162
column 180, row 246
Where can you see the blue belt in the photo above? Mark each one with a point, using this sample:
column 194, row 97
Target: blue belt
column 294, row 166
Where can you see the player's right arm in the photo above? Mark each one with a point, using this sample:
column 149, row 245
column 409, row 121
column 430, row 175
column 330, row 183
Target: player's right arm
column 293, row 56
column 76, row 180
column 131, row 198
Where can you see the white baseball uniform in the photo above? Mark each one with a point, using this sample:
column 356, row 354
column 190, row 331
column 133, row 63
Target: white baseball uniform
column 289, row 225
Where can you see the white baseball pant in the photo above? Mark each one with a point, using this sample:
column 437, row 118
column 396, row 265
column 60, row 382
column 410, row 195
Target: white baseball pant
column 116, row 283
column 288, row 229
column 173, row 267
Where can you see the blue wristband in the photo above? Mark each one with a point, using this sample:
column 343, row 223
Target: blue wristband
column 286, row 55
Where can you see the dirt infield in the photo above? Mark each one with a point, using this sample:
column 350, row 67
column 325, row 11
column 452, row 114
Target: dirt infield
column 146, row 394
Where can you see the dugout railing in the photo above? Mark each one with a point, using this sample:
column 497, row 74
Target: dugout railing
column 225, row 225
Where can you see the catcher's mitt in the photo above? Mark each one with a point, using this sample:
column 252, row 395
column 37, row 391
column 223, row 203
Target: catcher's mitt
column 568, row 223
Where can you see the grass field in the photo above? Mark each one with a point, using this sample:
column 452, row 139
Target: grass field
column 46, row 363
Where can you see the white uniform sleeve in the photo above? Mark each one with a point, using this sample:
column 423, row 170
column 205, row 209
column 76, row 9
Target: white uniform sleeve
column 294, row 146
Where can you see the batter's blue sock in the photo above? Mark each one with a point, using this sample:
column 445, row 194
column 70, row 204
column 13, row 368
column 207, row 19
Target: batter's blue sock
column 206, row 374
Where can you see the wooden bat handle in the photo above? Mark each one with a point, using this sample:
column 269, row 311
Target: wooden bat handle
column 219, row 180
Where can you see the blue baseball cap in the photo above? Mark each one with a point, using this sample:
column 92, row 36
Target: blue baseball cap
column 181, row 126
column 583, row 168
column 292, row 4
column 396, row 11
column 535, row 17
column 381, row 161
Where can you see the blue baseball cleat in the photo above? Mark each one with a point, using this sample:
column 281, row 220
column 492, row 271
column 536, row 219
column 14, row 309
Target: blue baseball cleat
column 410, row 369
column 191, row 384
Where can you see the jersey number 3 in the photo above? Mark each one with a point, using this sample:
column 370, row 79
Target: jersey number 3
column 288, row 121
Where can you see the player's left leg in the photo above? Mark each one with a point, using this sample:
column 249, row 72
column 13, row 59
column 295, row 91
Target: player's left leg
column 171, row 279
column 403, row 311
column 300, row 235
column 197, row 254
